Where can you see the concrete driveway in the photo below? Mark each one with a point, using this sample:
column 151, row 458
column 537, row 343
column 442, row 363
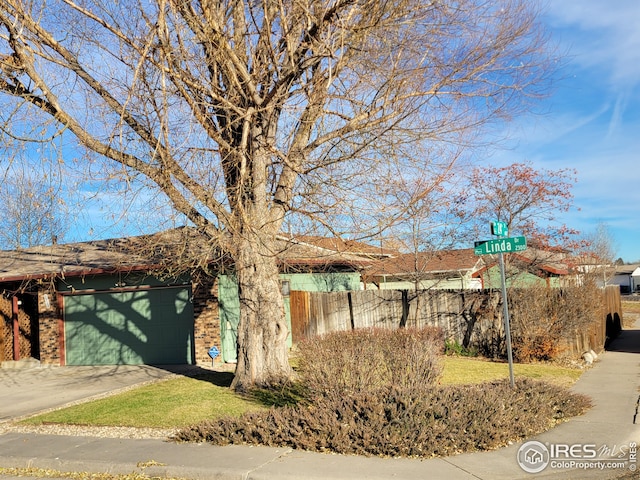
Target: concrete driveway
column 24, row 392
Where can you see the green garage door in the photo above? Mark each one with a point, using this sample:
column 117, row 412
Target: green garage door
column 153, row 327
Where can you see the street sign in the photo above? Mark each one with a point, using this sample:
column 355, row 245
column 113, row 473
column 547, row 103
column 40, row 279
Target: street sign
column 501, row 229
column 500, row 245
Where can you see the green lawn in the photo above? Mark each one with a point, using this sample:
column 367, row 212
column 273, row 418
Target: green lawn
column 166, row 404
column 185, row 401
column 463, row 370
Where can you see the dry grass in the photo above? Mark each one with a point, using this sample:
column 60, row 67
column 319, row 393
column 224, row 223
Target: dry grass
column 630, row 313
column 50, row 473
column 631, row 307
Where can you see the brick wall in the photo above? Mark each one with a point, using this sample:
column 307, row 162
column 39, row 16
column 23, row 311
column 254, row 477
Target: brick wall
column 206, row 317
column 49, row 327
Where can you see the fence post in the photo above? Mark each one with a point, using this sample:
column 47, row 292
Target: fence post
column 405, row 308
column 351, row 319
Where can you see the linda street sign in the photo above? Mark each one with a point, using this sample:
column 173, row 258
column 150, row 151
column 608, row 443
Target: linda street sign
column 500, row 245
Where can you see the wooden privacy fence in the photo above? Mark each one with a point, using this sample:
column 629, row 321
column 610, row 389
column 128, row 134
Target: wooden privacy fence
column 464, row 316
column 599, row 333
column 473, row 318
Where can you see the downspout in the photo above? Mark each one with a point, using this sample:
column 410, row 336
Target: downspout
column 61, row 341
column 16, row 327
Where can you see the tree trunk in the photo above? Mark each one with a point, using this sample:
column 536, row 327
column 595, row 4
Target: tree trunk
column 262, row 330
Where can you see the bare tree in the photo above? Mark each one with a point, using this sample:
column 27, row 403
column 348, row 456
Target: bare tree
column 601, row 243
column 33, row 211
column 246, row 113
column 596, row 257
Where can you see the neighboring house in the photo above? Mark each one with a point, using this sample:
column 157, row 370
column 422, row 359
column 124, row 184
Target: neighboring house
column 635, row 280
column 463, row 270
column 627, row 277
column 443, row 269
column 531, row 267
column 121, row 302
column 593, row 266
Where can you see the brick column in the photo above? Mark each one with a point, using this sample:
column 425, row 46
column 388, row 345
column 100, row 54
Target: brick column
column 206, row 317
column 49, row 324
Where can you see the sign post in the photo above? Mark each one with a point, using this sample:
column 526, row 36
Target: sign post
column 500, row 246
column 507, row 321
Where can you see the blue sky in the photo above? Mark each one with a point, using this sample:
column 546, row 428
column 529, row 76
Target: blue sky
column 591, row 121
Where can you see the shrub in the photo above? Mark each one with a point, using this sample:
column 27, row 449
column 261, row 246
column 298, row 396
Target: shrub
column 453, row 347
column 400, row 421
column 375, row 392
column 348, row 363
column 544, row 320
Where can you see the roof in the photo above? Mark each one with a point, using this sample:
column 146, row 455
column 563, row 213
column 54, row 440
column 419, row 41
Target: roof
column 464, row 261
column 442, row 261
column 156, row 252
column 340, row 245
column 627, row 269
column 99, row 256
column 550, row 261
column 319, row 252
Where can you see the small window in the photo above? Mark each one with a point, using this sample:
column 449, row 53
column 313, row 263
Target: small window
column 285, row 288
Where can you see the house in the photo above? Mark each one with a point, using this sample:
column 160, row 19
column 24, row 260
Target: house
column 124, row 301
column 442, row 269
column 531, row 267
column 103, row 302
column 462, row 269
column 593, row 266
column 627, row 277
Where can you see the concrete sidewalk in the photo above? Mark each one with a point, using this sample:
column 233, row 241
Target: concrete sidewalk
column 609, row 428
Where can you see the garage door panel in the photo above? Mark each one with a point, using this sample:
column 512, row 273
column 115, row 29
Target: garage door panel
column 143, row 327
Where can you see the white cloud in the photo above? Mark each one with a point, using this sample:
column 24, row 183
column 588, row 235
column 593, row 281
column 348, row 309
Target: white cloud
column 603, row 35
